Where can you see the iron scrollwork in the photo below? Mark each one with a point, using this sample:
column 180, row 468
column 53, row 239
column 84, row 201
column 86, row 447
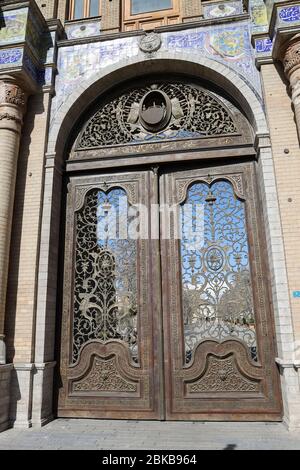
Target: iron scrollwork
column 105, row 284
column 191, row 111
column 216, row 278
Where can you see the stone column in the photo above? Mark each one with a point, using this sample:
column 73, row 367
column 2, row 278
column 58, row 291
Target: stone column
column 291, row 63
column 12, row 107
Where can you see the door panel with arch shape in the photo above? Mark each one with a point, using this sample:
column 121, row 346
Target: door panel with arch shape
column 110, row 346
column 219, row 334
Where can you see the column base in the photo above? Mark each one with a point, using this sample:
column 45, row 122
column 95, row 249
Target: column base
column 290, row 382
column 31, row 401
column 2, row 351
column 42, row 398
column 21, row 395
column 5, row 381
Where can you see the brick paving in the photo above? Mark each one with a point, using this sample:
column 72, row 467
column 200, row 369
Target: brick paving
column 106, row 434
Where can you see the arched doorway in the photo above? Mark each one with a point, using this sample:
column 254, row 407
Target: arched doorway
column 166, row 324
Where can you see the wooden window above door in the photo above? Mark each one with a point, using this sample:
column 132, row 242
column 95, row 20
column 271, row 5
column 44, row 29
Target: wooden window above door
column 150, row 14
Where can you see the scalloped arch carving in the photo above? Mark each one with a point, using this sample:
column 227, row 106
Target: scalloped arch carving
column 193, row 111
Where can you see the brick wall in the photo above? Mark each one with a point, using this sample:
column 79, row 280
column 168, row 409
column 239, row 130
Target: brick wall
column 287, row 171
column 47, row 7
column 111, row 11
column 111, row 15
column 191, row 9
column 62, row 10
column 21, row 295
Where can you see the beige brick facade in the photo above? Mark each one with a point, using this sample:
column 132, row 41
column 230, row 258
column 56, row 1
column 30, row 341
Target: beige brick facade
column 191, row 10
column 48, row 7
column 111, row 16
column 286, row 155
column 21, row 297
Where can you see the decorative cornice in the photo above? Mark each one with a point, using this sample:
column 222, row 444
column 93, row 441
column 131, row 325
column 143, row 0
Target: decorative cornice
column 283, row 364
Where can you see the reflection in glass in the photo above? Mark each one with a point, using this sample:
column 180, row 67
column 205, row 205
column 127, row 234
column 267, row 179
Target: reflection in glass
column 145, row 6
column 78, row 9
column 216, row 279
column 94, row 8
column 105, row 285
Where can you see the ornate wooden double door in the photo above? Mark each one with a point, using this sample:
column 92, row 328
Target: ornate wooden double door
column 166, row 312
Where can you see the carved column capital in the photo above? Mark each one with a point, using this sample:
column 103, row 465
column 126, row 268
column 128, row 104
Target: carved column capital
column 291, row 64
column 291, row 56
column 12, row 102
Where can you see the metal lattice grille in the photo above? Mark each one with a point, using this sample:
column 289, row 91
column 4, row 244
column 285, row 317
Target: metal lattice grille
column 216, row 279
column 193, row 113
column 105, row 285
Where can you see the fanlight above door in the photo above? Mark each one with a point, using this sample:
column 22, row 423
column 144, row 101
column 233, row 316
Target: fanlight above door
column 157, row 114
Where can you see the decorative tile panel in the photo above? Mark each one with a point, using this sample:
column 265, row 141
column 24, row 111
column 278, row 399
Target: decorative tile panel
column 263, row 46
column 258, row 12
column 229, row 45
column 289, row 14
column 37, row 73
column 219, row 10
column 26, row 41
column 14, row 26
column 83, row 29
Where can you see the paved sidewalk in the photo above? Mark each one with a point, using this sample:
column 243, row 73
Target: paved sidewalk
column 106, row 434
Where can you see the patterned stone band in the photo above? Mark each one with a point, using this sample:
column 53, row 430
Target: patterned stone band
column 10, row 117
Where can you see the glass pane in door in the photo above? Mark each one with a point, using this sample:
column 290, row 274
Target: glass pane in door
column 105, row 286
column 216, row 280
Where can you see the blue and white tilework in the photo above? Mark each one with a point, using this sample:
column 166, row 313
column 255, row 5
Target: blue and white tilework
column 289, row 15
column 263, row 46
column 13, row 29
column 11, row 57
column 228, row 44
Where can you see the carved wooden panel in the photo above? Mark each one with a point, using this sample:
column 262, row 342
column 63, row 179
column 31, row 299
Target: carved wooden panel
column 219, row 346
column 104, row 376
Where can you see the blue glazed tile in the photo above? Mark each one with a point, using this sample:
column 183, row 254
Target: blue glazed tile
column 11, row 56
column 263, row 46
column 289, row 14
column 188, row 40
